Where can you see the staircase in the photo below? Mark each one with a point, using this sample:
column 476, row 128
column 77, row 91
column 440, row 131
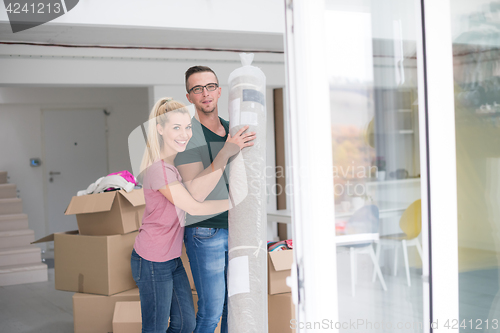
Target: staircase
column 20, row 262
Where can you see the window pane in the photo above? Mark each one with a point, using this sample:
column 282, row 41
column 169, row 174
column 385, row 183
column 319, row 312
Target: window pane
column 476, row 60
column 372, row 51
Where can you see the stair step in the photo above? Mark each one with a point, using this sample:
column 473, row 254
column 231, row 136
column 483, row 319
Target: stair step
column 21, row 274
column 16, row 238
column 8, row 191
column 20, row 256
column 11, row 206
column 13, row 222
column 3, row 177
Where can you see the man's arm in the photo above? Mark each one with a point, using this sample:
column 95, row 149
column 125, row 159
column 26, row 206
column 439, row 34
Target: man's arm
column 200, row 182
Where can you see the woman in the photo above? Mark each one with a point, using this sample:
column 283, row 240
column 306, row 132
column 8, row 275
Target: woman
column 156, row 265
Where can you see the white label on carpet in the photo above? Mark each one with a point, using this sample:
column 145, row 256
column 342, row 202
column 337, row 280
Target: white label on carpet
column 239, row 276
column 249, row 118
column 234, row 115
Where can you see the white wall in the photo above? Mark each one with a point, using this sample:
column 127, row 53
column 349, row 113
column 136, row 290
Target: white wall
column 254, row 16
column 21, row 133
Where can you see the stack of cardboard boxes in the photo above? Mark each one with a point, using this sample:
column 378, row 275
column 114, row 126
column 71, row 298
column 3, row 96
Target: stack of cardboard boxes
column 94, row 261
column 20, row 262
column 281, row 309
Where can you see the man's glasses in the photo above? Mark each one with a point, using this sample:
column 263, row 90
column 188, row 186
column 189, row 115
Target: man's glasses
column 199, row 89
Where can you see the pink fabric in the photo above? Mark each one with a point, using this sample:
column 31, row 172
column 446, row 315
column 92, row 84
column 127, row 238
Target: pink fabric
column 126, row 175
column 160, row 236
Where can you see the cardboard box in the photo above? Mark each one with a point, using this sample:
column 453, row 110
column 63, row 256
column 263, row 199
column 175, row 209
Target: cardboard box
column 187, row 267
column 109, row 213
column 94, row 313
column 92, row 264
column 127, row 317
column 281, row 311
column 195, row 301
column 278, row 269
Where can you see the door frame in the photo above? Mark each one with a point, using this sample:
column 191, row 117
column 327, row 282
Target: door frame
column 441, row 168
column 314, row 273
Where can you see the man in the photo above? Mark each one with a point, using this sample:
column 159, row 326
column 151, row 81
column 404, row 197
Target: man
column 203, row 170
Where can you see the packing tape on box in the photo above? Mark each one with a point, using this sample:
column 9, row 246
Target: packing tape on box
column 80, row 283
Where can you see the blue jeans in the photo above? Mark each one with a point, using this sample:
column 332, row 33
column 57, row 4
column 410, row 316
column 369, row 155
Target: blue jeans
column 165, row 292
column 207, row 252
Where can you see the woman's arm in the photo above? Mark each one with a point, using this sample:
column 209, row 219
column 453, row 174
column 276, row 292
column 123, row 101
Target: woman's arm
column 199, row 181
column 180, row 197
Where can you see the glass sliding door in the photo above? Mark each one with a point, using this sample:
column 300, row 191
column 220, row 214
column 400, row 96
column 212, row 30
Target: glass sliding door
column 373, row 85
column 373, row 153
column 476, row 65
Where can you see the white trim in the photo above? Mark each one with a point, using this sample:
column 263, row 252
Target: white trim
column 311, row 156
column 422, row 119
column 442, row 162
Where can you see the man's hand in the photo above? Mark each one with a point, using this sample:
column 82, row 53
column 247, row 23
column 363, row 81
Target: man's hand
column 239, row 141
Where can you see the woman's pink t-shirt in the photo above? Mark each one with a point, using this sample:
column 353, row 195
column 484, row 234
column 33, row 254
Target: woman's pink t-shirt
column 160, row 236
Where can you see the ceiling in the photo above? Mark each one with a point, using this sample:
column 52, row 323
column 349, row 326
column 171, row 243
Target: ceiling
column 145, row 37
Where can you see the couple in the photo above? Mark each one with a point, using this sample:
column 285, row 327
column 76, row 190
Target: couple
column 183, row 169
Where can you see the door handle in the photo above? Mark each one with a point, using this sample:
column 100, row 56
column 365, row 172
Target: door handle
column 52, row 173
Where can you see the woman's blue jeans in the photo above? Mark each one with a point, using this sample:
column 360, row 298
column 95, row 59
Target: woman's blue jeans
column 207, row 252
column 165, row 292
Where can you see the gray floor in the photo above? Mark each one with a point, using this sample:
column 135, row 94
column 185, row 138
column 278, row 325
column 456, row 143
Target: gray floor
column 479, row 299
column 372, row 308
column 39, row 308
column 36, row 308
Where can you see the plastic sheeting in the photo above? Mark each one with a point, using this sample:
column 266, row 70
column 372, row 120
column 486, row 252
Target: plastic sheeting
column 247, row 271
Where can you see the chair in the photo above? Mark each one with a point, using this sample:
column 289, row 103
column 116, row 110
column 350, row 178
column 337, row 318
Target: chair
column 364, row 220
column 411, row 225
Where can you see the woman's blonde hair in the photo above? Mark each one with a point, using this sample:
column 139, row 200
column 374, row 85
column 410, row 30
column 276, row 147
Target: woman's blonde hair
column 159, row 115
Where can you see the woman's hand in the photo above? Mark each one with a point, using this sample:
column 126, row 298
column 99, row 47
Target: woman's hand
column 239, row 141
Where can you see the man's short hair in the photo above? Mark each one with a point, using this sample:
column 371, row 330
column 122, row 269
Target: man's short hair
column 198, row 69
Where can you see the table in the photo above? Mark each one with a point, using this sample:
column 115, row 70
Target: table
column 386, row 210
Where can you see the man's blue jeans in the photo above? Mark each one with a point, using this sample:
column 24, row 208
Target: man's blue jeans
column 165, row 292
column 207, row 252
